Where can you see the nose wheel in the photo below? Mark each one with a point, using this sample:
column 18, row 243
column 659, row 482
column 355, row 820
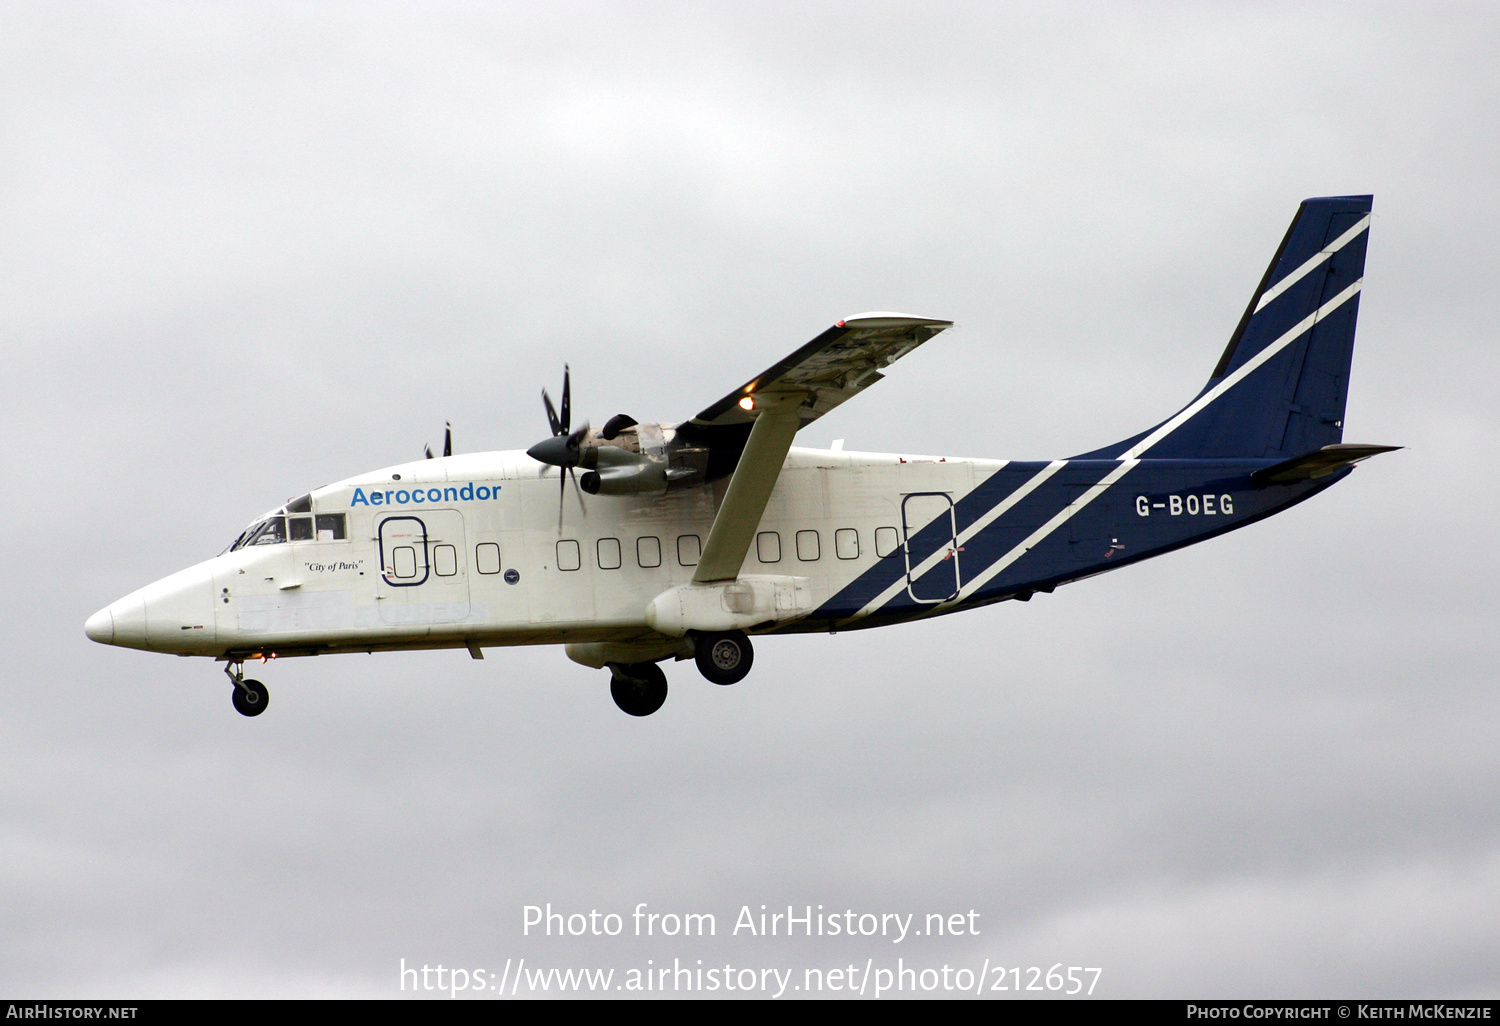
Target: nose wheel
column 637, row 688
column 250, row 697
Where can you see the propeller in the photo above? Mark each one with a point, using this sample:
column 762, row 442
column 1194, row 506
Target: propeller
column 447, row 441
column 564, row 448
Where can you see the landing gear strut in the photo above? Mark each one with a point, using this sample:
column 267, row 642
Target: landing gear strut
column 250, row 696
column 637, row 688
column 723, row 658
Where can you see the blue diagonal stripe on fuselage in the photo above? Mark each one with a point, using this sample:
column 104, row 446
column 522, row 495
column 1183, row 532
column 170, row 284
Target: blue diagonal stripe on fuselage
column 1108, row 532
column 1013, row 526
column 890, row 570
column 1027, row 514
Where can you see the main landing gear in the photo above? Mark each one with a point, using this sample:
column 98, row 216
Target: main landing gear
column 250, row 696
column 723, row 658
column 640, row 688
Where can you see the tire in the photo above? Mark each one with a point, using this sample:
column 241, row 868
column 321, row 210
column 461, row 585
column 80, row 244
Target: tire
column 638, row 689
column 724, row 658
column 251, row 698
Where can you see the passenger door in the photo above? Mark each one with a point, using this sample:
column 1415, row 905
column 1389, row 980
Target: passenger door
column 424, row 571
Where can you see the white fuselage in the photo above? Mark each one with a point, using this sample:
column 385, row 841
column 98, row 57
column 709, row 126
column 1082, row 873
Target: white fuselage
column 495, row 568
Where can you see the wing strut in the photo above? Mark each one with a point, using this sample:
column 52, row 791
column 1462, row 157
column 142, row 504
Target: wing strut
column 750, row 488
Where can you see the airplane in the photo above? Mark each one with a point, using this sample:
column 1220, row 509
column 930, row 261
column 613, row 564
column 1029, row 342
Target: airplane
column 700, row 534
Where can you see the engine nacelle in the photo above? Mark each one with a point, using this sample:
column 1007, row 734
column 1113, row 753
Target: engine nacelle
column 617, row 471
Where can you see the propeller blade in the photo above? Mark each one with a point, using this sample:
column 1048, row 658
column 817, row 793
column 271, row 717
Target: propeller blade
column 576, row 438
column 428, row 450
column 448, row 439
column 578, row 491
column 563, row 448
column 562, row 493
column 552, row 421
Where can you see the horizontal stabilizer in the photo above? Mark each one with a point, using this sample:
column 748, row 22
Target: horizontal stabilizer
column 1318, row 463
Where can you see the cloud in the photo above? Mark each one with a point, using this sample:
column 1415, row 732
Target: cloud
column 250, row 250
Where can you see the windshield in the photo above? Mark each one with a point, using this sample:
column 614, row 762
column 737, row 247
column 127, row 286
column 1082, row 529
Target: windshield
column 276, row 529
column 270, row 531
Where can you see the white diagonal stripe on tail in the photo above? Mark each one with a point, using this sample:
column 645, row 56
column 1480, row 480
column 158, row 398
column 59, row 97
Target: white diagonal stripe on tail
column 1131, row 457
column 1129, row 460
column 1249, row 365
column 1307, row 268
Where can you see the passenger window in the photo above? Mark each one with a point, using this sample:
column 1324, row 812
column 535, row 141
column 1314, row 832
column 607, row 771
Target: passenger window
column 569, row 557
column 405, row 559
column 609, row 553
column 887, row 541
column 689, row 548
column 846, row 543
column 487, row 558
column 331, row 527
column 444, row 560
column 301, row 528
column 768, row 547
column 648, row 551
column 807, row 546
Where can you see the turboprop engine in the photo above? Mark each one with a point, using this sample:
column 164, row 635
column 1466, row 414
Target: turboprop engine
column 624, row 458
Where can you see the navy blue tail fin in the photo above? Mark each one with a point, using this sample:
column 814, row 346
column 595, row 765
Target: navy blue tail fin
column 1279, row 389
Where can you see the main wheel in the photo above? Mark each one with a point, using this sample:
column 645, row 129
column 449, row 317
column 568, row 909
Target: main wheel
column 251, row 698
column 638, row 689
column 724, row 658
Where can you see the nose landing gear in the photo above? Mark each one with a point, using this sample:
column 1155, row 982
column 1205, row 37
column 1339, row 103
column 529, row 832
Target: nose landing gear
column 250, row 697
column 637, row 688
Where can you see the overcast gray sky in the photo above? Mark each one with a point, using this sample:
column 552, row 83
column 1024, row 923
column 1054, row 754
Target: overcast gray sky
column 249, row 249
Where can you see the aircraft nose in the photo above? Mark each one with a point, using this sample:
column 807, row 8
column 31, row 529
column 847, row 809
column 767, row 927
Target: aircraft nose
column 120, row 623
column 101, row 627
column 176, row 614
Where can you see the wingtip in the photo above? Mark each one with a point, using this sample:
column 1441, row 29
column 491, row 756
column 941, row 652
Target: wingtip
column 889, row 319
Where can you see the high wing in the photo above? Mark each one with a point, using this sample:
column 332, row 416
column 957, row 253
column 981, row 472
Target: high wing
column 837, row 365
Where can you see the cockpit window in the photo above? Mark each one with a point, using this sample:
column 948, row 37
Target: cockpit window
column 278, row 528
column 301, row 504
column 270, row 531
